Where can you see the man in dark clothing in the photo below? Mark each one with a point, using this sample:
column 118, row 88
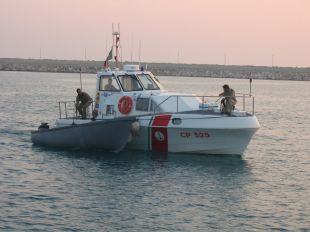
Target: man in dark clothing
column 229, row 101
column 110, row 86
column 83, row 100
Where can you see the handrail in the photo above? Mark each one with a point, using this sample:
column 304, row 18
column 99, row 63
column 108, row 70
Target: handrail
column 171, row 96
column 239, row 95
column 161, row 103
column 66, row 109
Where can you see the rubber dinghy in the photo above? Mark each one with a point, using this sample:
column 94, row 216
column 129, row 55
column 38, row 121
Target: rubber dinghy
column 109, row 134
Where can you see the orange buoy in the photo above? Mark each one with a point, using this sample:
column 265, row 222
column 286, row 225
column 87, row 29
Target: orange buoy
column 125, row 104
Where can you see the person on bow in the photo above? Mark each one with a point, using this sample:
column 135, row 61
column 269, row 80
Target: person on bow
column 83, row 100
column 229, row 100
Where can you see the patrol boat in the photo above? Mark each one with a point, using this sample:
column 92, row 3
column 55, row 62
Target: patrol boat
column 166, row 121
column 163, row 121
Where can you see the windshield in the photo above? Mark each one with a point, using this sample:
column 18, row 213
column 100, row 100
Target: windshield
column 109, row 83
column 147, row 82
column 129, row 83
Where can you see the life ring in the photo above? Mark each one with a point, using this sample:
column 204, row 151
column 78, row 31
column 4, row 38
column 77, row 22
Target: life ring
column 125, row 104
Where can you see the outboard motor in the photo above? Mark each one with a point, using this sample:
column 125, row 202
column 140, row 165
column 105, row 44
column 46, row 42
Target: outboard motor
column 44, row 126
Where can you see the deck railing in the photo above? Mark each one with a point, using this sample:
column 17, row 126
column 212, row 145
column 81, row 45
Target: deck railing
column 247, row 101
column 67, row 109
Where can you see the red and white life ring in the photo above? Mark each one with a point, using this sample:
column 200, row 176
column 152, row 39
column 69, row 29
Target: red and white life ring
column 125, row 104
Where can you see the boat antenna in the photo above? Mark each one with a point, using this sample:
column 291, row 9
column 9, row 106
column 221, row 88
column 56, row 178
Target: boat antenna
column 106, row 44
column 81, row 77
column 131, row 52
column 250, row 79
column 139, row 52
column 120, row 46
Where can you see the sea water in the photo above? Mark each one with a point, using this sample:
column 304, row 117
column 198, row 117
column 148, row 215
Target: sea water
column 44, row 189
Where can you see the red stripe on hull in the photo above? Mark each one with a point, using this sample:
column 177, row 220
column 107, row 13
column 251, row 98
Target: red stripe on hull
column 159, row 133
column 161, row 120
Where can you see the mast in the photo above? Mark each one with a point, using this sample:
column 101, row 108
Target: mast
column 116, row 44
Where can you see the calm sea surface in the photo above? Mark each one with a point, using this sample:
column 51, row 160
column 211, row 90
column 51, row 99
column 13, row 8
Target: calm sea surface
column 44, row 189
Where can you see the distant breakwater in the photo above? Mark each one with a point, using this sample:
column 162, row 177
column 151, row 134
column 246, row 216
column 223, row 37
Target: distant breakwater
column 161, row 69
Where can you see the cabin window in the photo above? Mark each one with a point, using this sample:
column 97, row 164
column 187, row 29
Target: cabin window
column 142, row 104
column 109, row 83
column 147, row 82
column 129, row 83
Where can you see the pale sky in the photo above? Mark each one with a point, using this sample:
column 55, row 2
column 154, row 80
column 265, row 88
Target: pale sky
column 249, row 32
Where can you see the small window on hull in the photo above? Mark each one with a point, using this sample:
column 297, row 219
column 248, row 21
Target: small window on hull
column 176, row 121
column 142, row 104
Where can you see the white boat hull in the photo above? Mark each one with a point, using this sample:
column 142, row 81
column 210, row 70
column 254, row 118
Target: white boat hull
column 201, row 134
column 231, row 142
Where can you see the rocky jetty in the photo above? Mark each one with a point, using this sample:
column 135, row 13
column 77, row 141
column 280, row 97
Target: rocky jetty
column 161, row 69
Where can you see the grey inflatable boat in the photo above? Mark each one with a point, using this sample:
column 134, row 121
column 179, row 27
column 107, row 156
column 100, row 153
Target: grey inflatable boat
column 109, row 134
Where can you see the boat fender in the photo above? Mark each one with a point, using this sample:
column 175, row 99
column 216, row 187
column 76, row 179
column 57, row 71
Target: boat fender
column 135, row 128
column 44, row 126
column 125, row 104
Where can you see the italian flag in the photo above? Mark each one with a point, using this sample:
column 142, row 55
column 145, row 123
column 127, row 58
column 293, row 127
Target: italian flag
column 109, row 57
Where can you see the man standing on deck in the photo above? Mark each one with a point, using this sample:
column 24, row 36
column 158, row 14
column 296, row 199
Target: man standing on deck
column 229, row 101
column 83, row 100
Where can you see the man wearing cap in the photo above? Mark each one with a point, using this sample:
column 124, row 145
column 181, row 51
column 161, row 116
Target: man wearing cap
column 83, row 100
column 229, row 101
